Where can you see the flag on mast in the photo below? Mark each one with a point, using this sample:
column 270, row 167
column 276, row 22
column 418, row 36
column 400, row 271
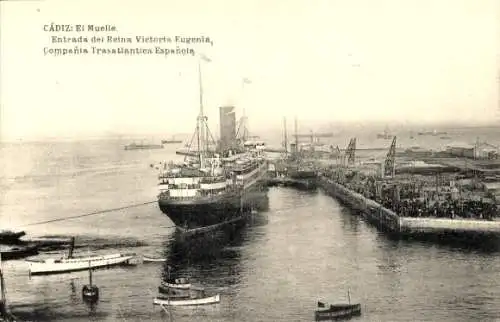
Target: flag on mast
column 205, row 58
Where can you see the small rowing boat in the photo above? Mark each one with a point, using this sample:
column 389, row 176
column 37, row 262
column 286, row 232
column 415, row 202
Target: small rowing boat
column 338, row 311
column 179, row 283
column 90, row 292
column 182, row 283
column 153, row 259
column 166, row 288
column 186, row 301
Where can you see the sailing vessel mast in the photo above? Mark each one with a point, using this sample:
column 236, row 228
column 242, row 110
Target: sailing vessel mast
column 90, row 275
column 242, row 132
column 285, row 143
column 201, row 123
column 244, row 121
column 71, row 247
column 296, row 137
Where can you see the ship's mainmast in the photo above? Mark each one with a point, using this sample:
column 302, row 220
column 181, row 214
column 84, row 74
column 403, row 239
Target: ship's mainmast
column 242, row 132
column 201, row 124
column 296, row 137
column 285, row 137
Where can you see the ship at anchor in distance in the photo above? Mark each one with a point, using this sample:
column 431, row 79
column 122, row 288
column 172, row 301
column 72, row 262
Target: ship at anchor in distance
column 218, row 183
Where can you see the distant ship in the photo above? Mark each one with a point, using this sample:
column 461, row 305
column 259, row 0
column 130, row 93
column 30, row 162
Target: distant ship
column 302, row 174
column 171, row 141
column 135, row 146
column 386, row 135
column 213, row 189
column 433, row 133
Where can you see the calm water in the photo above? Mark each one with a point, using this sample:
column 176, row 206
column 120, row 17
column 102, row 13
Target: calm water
column 305, row 247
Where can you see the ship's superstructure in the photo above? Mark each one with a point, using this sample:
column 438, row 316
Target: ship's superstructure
column 194, row 197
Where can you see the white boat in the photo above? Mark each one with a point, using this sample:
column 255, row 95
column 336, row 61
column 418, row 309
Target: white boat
column 63, row 265
column 185, row 302
column 153, row 259
column 77, row 263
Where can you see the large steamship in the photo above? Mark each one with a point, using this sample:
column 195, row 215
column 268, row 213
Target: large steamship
column 216, row 186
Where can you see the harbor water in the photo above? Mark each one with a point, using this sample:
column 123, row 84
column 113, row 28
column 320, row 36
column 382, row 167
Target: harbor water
column 302, row 248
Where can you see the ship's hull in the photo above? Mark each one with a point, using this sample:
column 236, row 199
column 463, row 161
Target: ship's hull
column 229, row 207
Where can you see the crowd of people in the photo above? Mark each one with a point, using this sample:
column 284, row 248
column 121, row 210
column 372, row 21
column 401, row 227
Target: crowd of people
column 408, row 200
column 442, row 209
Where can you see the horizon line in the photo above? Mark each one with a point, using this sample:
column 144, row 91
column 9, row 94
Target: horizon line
column 144, row 136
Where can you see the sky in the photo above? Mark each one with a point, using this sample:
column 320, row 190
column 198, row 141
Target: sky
column 326, row 61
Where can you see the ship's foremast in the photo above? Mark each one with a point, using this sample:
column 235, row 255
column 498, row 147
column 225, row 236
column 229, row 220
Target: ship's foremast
column 201, row 122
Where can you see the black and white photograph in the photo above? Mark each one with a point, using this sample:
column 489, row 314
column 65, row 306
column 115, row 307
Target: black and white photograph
column 279, row 160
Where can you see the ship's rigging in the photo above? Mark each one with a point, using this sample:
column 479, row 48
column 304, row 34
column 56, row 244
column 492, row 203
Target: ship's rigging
column 242, row 132
column 202, row 132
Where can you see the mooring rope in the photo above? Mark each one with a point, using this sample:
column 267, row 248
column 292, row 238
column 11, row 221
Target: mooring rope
column 89, row 214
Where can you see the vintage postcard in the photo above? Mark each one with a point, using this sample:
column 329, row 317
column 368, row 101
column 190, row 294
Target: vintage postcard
column 280, row 160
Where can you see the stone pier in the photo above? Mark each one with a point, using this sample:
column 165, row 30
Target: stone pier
column 387, row 220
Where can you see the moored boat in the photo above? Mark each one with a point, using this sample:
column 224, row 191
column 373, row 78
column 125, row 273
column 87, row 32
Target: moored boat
column 77, row 263
column 338, row 311
column 179, row 283
column 186, row 301
column 90, row 292
column 386, row 135
column 153, row 259
column 9, row 252
column 9, row 236
column 66, row 265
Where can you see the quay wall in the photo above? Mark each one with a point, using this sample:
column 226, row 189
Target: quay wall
column 444, row 225
column 375, row 213
column 389, row 221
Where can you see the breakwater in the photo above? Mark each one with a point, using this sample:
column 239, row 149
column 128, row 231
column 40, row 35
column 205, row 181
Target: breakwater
column 389, row 221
